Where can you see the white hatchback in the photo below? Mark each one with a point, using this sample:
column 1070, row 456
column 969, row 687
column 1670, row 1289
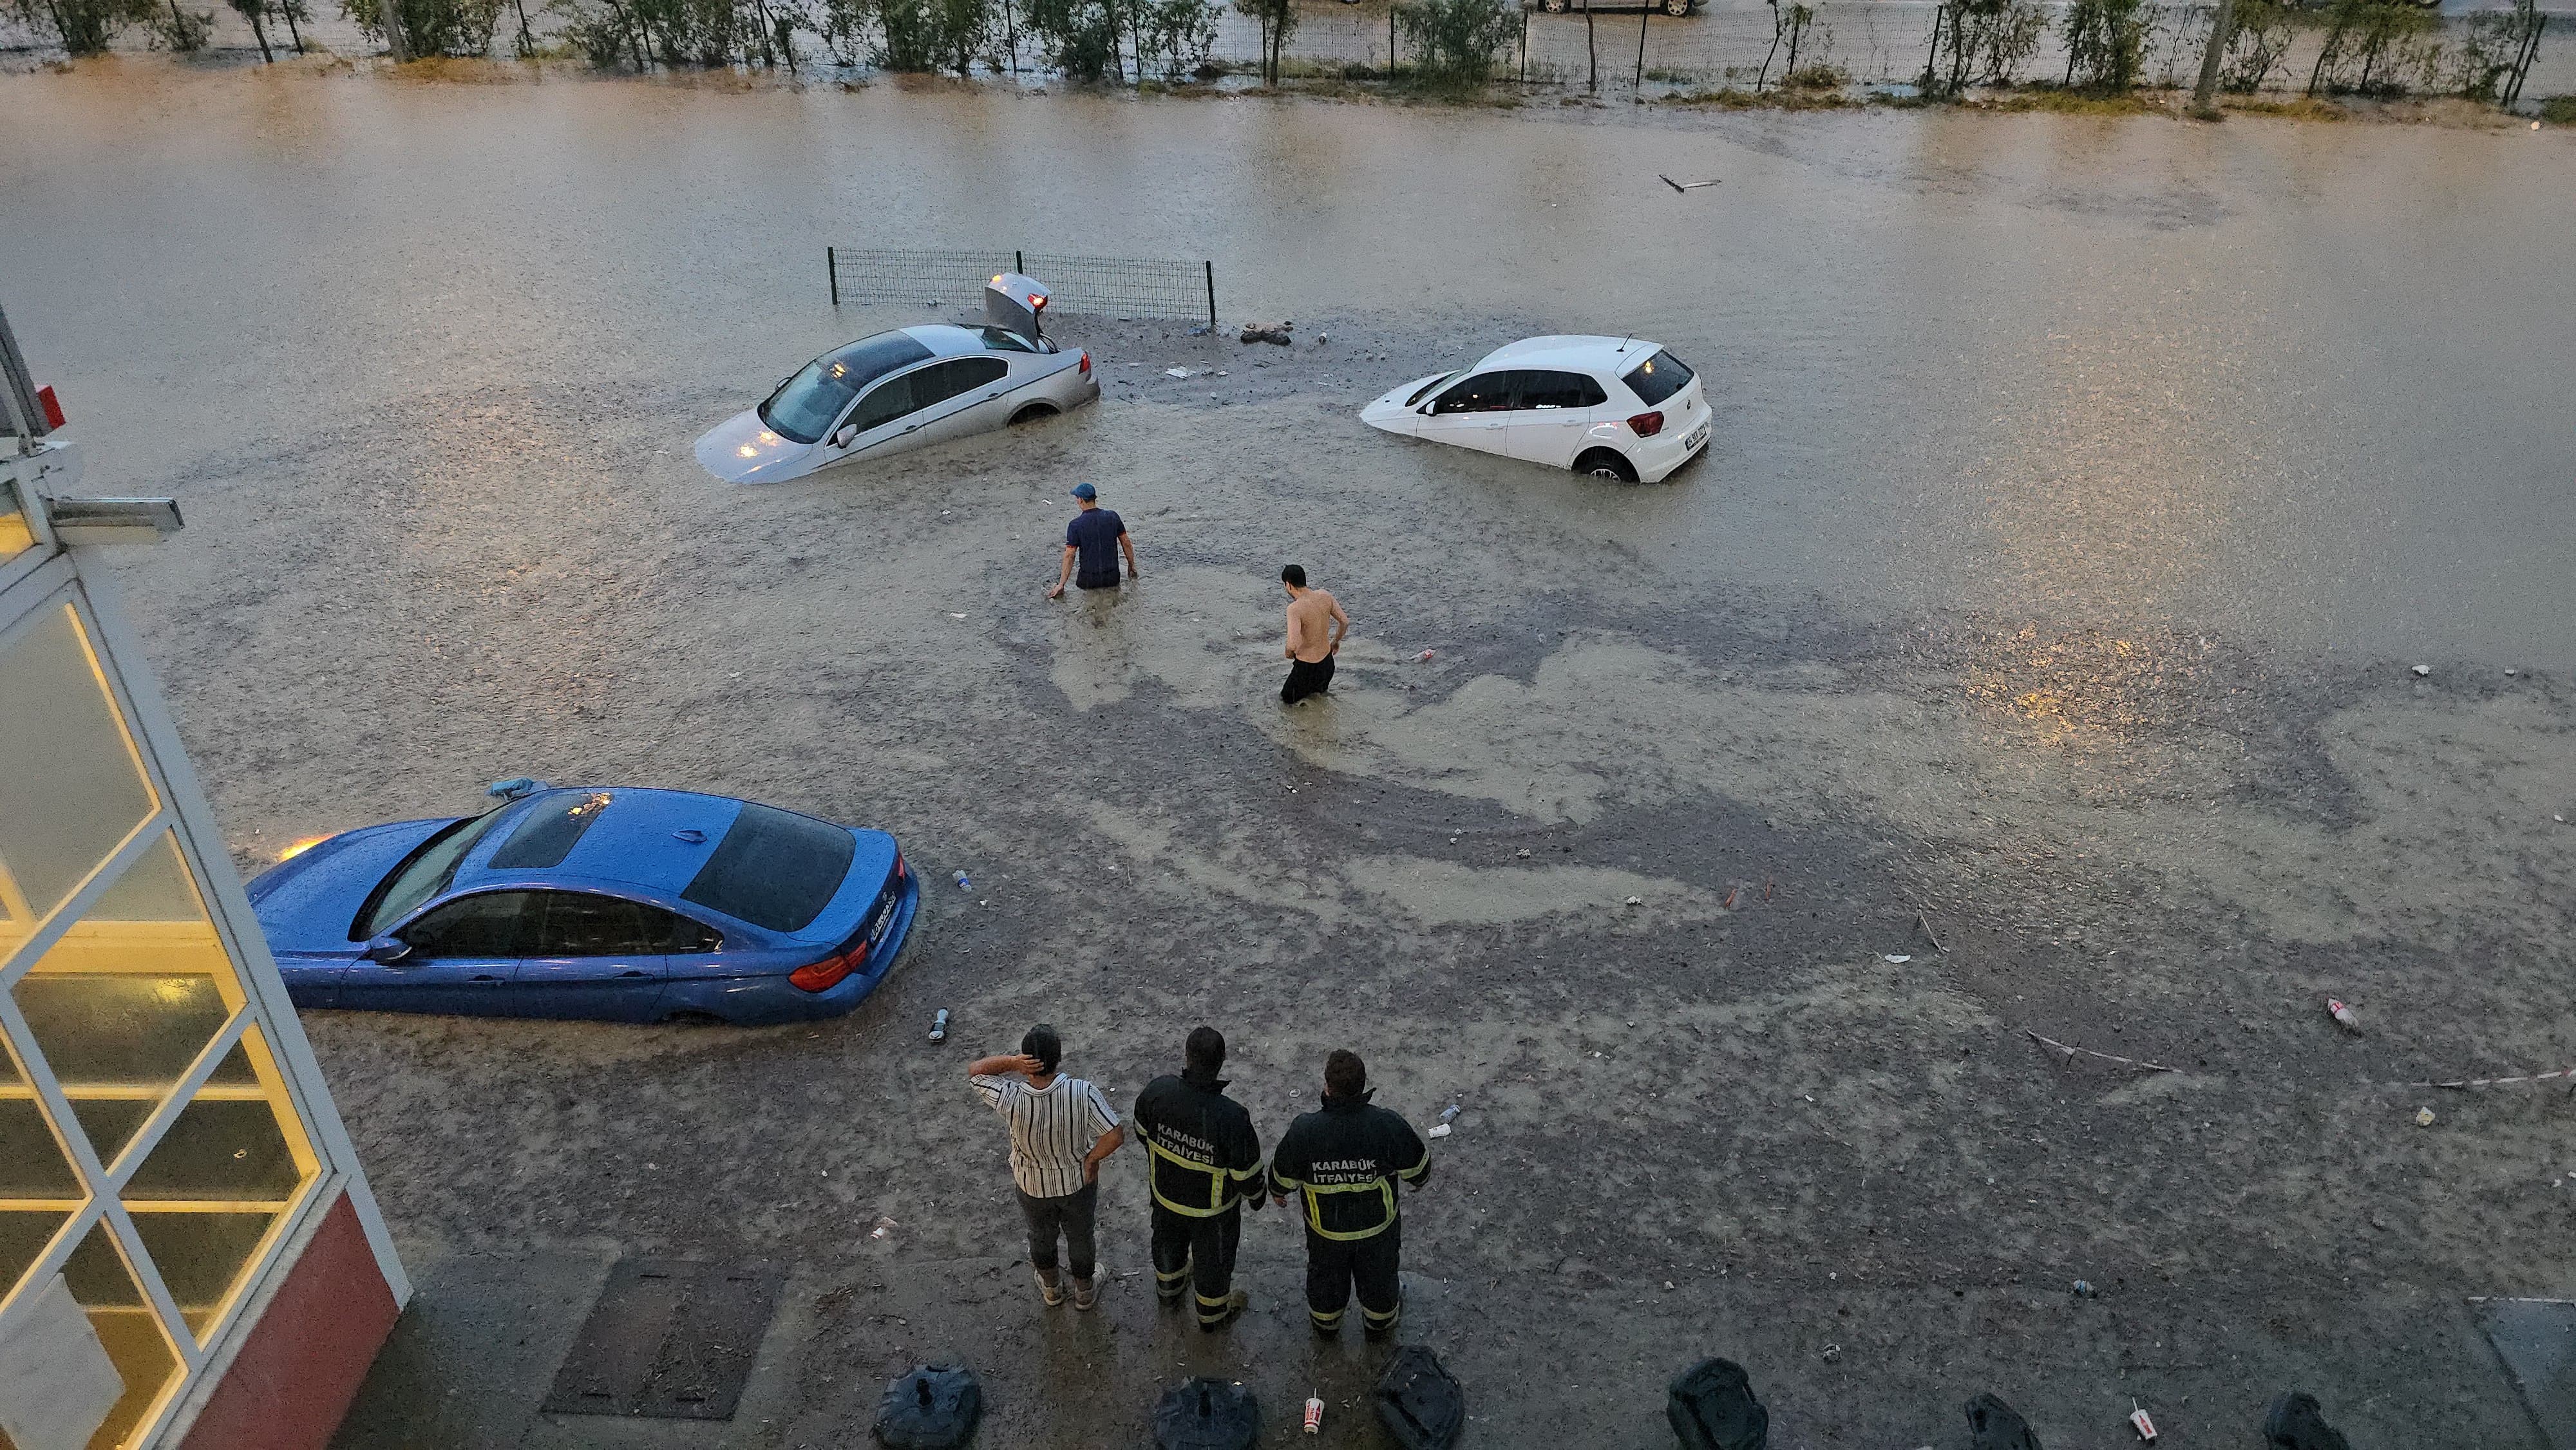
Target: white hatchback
column 1613, row 407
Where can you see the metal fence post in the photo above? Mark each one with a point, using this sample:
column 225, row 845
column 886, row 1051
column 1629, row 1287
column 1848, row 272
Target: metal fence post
column 1211, row 281
column 832, row 265
column 1020, row 262
column 1639, row 84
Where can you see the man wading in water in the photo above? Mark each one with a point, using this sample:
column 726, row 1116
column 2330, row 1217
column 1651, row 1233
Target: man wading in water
column 1310, row 651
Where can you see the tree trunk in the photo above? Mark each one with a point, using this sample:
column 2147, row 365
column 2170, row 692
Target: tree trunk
column 259, row 33
column 294, row 34
column 1639, row 84
column 1591, row 53
column 397, row 41
column 1931, row 76
column 2222, row 28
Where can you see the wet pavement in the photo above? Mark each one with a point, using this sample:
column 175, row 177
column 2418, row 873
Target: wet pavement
column 2082, row 492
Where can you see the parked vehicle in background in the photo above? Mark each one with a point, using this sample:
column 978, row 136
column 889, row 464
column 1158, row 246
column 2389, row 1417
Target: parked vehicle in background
column 619, row 904
column 1613, row 407
column 1606, row 7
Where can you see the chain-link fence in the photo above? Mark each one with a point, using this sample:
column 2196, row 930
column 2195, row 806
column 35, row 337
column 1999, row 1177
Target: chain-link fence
column 1126, row 288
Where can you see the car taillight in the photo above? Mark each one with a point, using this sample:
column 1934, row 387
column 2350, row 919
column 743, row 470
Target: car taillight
column 900, row 871
column 826, row 974
column 1647, row 424
column 1086, row 362
column 52, row 405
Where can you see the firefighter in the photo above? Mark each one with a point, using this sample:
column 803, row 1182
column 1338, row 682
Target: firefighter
column 1344, row 1162
column 1202, row 1159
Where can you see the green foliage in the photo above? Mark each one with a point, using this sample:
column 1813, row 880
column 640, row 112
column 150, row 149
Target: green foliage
column 602, row 30
column 83, row 27
column 256, row 12
column 1176, row 36
column 1983, row 42
column 2495, row 52
column 184, row 32
column 843, row 26
column 2264, row 30
column 2559, row 110
column 2106, row 43
column 2375, row 48
column 1458, row 42
column 430, row 27
column 1078, row 37
column 1278, row 21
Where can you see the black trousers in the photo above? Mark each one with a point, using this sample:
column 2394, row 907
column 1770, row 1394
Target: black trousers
column 1197, row 1252
column 1306, row 678
column 1072, row 1215
column 1335, row 1266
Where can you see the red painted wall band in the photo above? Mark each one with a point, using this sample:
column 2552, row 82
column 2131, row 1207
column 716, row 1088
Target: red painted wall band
column 299, row 1367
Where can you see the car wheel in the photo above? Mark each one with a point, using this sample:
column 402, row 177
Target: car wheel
column 1032, row 413
column 1677, row 7
column 1604, row 463
column 1555, row 7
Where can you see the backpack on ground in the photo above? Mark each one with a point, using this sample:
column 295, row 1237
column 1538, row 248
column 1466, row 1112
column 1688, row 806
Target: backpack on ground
column 1994, row 1425
column 1419, row 1402
column 934, row 1407
column 1207, row 1414
column 2297, row 1423
column 1711, row 1406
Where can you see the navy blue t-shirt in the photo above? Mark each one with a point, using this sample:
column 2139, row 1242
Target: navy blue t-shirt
column 1094, row 533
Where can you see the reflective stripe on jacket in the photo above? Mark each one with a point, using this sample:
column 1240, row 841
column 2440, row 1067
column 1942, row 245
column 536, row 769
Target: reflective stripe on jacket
column 1201, row 1155
column 1344, row 1160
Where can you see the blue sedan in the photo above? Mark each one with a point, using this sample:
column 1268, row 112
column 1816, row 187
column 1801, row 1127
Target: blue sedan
column 617, row 904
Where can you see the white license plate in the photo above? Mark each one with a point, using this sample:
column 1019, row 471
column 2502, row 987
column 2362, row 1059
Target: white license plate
column 1699, row 435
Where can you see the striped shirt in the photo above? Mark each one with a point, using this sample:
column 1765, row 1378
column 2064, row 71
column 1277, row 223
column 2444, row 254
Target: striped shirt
column 1052, row 1129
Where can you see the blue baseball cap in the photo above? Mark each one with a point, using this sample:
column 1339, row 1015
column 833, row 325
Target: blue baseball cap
column 1084, row 490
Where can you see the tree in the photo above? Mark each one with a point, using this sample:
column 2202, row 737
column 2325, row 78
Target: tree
column 1278, row 21
column 2106, row 42
column 83, row 27
column 1457, row 42
column 1079, row 37
column 2496, row 50
column 2372, row 46
column 256, row 12
column 184, row 31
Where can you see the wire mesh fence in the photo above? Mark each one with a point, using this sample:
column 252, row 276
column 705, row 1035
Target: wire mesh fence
column 1126, row 288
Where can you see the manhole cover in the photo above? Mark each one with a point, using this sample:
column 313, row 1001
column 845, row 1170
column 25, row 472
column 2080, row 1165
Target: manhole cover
column 668, row 1340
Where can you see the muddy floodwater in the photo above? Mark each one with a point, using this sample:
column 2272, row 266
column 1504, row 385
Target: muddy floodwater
column 2032, row 652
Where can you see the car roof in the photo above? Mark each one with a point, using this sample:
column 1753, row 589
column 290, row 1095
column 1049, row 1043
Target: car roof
column 636, row 841
column 947, row 339
column 1572, row 350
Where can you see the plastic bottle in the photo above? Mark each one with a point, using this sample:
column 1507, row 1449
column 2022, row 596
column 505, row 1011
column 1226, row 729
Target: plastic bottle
column 962, row 883
column 2343, row 1015
column 939, row 1026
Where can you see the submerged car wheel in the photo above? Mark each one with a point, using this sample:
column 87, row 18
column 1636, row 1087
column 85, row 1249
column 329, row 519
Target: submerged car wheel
column 1032, row 413
column 1604, row 463
column 1555, row 7
column 1677, row 7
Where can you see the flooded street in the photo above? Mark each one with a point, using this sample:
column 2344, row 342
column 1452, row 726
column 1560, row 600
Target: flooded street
column 2082, row 492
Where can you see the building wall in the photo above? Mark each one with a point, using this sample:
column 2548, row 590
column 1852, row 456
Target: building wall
column 303, row 1352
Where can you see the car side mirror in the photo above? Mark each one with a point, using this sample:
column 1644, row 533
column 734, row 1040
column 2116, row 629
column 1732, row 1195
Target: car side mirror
column 386, row 950
column 842, row 438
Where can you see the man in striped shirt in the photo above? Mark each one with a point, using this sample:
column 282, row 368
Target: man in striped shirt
column 1061, row 1128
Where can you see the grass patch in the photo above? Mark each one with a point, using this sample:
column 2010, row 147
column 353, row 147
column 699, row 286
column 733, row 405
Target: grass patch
column 2297, row 108
column 1733, row 98
column 2076, row 103
column 2559, row 110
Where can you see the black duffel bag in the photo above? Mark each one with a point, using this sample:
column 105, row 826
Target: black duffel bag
column 935, row 1407
column 1712, row 1407
column 1419, row 1402
column 1994, row 1425
column 2297, row 1423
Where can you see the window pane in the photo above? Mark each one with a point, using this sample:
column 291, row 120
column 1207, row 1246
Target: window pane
column 15, row 537
column 774, row 868
column 123, row 1003
column 488, row 925
column 70, row 786
column 1483, row 393
column 34, row 1175
column 548, row 833
column 229, row 1168
column 891, row 400
column 127, row 1329
column 1561, row 390
column 1658, row 378
column 581, row 924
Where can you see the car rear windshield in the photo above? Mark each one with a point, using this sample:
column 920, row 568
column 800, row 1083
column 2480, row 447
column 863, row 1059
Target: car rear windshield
column 548, row 833
column 805, row 405
column 774, row 868
column 1659, row 377
column 423, row 874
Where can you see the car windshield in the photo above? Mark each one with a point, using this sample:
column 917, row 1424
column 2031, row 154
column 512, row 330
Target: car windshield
column 423, row 874
column 774, row 868
column 1658, row 378
column 1425, row 390
column 804, row 406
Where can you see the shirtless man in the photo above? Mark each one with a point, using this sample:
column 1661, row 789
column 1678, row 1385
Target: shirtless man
column 1309, row 651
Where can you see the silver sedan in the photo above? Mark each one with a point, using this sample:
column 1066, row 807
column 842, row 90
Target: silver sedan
column 897, row 390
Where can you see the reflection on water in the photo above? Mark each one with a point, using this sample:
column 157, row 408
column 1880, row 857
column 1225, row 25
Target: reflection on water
column 2298, row 382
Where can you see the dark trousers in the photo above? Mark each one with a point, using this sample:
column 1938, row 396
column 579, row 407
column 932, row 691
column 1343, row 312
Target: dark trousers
column 1334, row 1266
column 1200, row 1252
column 1071, row 1215
column 1306, row 679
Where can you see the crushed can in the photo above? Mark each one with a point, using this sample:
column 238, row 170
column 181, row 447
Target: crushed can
column 1314, row 1413
column 2139, row 1422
